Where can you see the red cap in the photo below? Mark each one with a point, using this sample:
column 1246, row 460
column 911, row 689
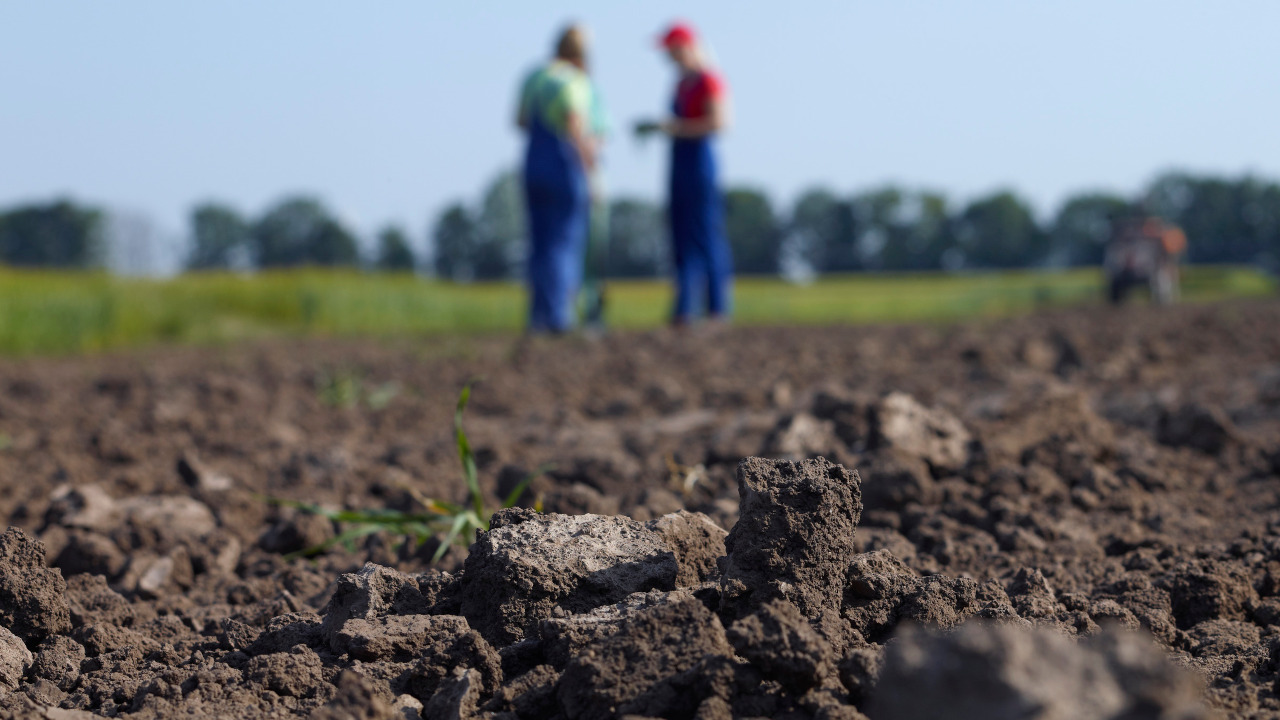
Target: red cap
column 678, row 34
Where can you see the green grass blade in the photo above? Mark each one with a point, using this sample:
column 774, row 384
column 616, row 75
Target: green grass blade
column 346, row 538
column 514, row 496
column 465, row 454
column 456, row 529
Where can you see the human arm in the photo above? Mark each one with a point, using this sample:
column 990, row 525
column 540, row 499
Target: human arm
column 582, row 140
column 715, row 120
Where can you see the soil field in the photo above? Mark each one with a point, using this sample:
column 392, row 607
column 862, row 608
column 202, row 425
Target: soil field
column 1069, row 515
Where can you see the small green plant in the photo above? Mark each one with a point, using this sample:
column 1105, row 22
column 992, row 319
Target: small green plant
column 457, row 523
column 6, row 442
column 382, row 395
column 345, row 388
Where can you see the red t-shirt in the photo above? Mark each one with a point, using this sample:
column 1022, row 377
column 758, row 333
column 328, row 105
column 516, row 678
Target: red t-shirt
column 694, row 93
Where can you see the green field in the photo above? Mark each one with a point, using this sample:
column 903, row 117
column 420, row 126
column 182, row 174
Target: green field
column 59, row 313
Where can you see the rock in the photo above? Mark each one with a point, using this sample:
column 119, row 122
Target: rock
column 15, row 658
column 457, row 698
column 625, row 672
column 698, row 544
column 778, row 641
column 33, row 602
column 528, row 564
column 999, row 672
column 794, row 537
column 932, row 434
column 356, row 699
column 1206, row 429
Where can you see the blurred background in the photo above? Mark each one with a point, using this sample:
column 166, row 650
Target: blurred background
column 913, row 161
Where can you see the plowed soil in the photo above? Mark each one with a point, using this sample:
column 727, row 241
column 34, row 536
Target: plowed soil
column 1071, row 472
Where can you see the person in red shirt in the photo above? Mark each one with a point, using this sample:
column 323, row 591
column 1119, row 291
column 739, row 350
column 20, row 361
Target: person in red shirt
column 700, row 110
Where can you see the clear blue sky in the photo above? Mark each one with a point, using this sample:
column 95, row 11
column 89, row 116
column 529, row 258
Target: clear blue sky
column 389, row 110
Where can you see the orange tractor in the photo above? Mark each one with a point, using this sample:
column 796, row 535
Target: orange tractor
column 1144, row 250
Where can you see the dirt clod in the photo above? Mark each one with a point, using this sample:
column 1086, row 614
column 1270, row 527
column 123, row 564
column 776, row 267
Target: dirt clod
column 997, row 672
column 15, row 658
column 932, row 434
column 33, row 605
column 698, row 544
column 631, row 672
column 778, row 641
column 519, row 572
column 794, row 536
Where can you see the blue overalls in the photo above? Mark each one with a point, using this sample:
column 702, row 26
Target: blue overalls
column 555, row 186
column 704, row 264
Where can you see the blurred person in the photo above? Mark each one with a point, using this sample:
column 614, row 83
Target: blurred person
column 556, row 110
column 699, row 111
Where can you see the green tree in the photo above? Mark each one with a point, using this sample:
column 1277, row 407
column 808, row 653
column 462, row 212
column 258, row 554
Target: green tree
column 1225, row 220
column 219, row 237
column 58, row 234
column 300, row 231
column 500, row 229
column 638, row 244
column 999, row 231
column 454, row 241
column 1082, row 228
column 394, row 253
column 825, row 229
column 753, row 231
column 904, row 230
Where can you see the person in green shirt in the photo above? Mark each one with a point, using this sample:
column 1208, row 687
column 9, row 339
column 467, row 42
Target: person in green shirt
column 558, row 112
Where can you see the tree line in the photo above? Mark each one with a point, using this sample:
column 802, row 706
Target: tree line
column 1227, row 220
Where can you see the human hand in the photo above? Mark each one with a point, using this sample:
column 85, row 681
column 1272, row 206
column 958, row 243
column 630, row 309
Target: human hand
column 645, row 128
